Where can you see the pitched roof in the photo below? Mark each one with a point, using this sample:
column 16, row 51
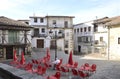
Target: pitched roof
column 102, row 20
column 114, row 21
column 10, row 22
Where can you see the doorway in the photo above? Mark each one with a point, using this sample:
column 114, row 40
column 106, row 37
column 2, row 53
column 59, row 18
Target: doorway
column 79, row 48
column 9, row 52
column 40, row 43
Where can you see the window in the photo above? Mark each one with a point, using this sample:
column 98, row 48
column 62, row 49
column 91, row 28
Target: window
column 74, row 30
column 54, row 22
column 96, row 42
column 35, row 19
column 78, row 30
column 101, row 39
column 43, row 30
column 41, row 20
column 1, row 52
column 87, row 40
column 13, row 36
column 95, row 27
column 27, row 22
column 81, row 29
column 79, row 39
column 85, row 29
column 119, row 40
column 89, row 29
column 66, row 24
column 66, row 43
column 36, row 32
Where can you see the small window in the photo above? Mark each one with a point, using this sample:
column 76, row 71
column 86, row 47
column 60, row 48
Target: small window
column 81, row 29
column 66, row 43
column 26, row 22
column 41, row 20
column 85, row 29
column 1, row 53
column 54, row 22
column 35, row 19
column 89, row 29
column 119, row 40
column 43, row 30
column 78, row 30
column 66, row 24
column 101, row 39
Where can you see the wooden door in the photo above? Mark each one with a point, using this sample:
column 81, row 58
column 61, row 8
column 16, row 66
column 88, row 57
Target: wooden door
column 40, row 43
column 52, row 45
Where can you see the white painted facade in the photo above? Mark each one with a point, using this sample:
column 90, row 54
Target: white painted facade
column 39, row 23
column 84, row 37
column 101, row 39
column 64, row 25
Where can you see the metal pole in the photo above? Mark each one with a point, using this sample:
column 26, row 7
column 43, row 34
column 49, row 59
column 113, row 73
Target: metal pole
column 108, row 42
column 55, row 45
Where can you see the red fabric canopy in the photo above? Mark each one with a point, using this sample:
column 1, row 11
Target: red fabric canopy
column 22, row 58
column 14, row 56
column 70, row 60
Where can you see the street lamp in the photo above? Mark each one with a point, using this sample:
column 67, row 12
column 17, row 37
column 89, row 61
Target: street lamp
column 50, row 32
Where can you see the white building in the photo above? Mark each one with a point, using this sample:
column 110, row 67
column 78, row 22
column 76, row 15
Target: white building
column 83, row 37
column 101, row 36
column 39, row 32
column 42, row 38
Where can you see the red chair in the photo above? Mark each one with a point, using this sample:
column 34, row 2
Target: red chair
column 83, row 74
column 46, row 65
column 38, row 69
column 75, row 65
column 65, row 70
column 36, row 62
column 27, row 65
column 33, row 61
column 93, row 68
column 57, row 75
column 29, row 68
column 86, row 67
column 43, row 71
column 82, row 68
column 74, row 72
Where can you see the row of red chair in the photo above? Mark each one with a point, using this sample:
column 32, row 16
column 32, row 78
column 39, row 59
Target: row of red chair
column 79, row 73
column 87, row 67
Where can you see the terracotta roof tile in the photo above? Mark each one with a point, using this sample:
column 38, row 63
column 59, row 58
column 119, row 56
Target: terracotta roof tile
column 11, row 22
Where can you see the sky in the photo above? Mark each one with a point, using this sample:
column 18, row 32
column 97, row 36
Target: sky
column 82, row 10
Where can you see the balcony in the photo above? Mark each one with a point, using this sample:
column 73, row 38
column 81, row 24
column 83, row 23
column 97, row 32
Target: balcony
column 99, row 44
column 58, row 36
column 39, row 35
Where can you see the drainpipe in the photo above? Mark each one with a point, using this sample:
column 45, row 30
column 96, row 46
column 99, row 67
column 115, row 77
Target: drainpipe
column 108, row 42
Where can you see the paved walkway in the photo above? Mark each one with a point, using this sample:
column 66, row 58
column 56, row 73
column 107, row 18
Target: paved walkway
column 105, row 69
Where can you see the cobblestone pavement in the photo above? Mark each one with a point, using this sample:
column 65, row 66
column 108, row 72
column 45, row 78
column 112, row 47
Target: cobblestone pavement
column 105, row 69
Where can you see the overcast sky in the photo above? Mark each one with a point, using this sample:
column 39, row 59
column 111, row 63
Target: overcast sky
column 83, row 10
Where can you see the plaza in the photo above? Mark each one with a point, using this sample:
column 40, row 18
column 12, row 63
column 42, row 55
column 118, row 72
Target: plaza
column 106, row 69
